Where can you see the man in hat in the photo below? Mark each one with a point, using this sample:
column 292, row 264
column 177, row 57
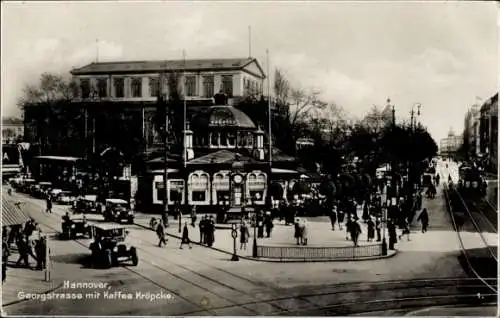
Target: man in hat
column 269, row 223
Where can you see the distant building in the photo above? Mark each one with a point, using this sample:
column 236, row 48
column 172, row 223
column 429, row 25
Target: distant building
column 450, row 145
column 12, row 130
column 489, row 133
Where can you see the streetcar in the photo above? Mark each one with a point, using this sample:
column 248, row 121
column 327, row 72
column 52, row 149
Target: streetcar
column 471, row 183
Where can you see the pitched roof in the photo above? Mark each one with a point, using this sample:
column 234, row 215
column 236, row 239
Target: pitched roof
column 222, row 156
column 166, row 65
column 12, row 214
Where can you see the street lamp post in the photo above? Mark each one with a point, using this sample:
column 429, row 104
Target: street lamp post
column 180, row 217
column 384, row 222
column 254, row 249
column 234, row 234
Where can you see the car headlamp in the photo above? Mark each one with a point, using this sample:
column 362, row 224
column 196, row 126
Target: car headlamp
column 72, row 226
column 129, row 212
column 115, row 249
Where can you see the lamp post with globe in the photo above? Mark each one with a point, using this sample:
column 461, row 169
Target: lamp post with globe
column 252, row 202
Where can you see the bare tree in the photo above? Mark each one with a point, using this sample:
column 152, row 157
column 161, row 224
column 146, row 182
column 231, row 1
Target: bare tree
column 281, row 91
column 51, row 88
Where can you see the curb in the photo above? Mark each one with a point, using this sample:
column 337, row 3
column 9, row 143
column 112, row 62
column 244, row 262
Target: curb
column 23, row 300
column 270, row 260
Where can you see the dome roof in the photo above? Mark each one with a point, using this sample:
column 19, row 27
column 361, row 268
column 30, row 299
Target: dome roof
column 224, row 116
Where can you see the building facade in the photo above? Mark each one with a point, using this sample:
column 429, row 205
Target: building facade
column 223, row 157
column 12, row 130
column 450, row 145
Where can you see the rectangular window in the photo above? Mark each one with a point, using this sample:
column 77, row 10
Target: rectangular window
column 119, row 84
column 175, row 195
column 160, row 191
column 154, row 87
column 227, row 85
column 190, row 85
column 199, row 196
column 136, row 87
column 102, row 86
column 85, row 87
column 208, row 86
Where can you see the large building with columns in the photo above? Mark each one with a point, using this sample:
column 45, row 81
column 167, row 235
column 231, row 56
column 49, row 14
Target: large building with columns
column 219, row 137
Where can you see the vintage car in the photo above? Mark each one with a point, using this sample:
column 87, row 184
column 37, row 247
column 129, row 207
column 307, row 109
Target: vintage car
column 117, row 210
column 41, row 189
column 65, row 197
column 72, row 228
column 108, row 248
column 26, row 184
column 87, row 204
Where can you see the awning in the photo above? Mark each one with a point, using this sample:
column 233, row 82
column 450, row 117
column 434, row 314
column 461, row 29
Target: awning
column 284, row 171
column 12, row 213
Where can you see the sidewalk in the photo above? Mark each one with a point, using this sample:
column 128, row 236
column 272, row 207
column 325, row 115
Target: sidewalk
column 320, row 234
column 23, row 280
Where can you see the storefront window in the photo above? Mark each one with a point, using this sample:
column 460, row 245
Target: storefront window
column 231, row 139
column 199, row 196
column 223, row 139
column 214, row 139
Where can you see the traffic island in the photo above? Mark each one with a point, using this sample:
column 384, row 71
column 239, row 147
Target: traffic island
column 324, row 245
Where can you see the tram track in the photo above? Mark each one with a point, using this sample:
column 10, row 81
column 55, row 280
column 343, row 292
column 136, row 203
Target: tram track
column 366, row 293
column 491, row 284
column 178, row 293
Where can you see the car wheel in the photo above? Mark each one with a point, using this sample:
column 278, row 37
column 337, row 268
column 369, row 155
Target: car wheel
column 133, row 256
column 130, row 221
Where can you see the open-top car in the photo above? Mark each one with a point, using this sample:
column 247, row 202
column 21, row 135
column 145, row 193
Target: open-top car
column 117, row 210
column 41, row 189
column 26, row 184
column 87, row 204
column 109, row 248
column 72, row 228
column 65, row 197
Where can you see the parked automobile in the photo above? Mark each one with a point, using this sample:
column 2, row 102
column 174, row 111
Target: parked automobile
column 26, row 185
column 108, row 249
column 87, row 204
column 117, row 210
column 41, row 189
column 72, row 228
column 65, row 197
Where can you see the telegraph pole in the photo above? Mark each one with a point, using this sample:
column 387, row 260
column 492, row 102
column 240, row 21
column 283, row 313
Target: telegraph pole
column 165, row 150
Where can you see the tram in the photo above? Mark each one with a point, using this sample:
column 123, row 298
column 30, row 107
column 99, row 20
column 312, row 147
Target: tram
column 471, row 183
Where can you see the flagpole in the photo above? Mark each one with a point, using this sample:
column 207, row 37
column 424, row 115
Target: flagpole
column 269, row 111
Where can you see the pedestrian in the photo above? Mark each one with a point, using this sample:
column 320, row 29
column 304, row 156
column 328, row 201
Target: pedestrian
column 244, row 234
column 405, row 229
column 210, row 231
column 40, row 251
column 29, row 228
column 5, row 259
column 378, row 226
column 371, row 229
column 202, row 226
column 193, row 216
column 185, row 237
column 348, row 227
column 355, row 231
column 391, row 228
column 297, row 234
column 25, row 250
column 303, row 232
column 269, row 224
column 49, row 204
column 333, row 217
column 340, row 217
column 366, row 210
column 424, row 220
column 160, row 231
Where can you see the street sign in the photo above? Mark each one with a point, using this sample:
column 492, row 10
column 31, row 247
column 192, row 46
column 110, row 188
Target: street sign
column 234, row 234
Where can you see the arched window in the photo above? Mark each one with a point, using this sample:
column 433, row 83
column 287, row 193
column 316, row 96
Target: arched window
column 199, row 188
column 231, row 139
column 214, row 139
column 223, row 139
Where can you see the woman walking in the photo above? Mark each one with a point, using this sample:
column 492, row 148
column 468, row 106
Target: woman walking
column 424, row 219
column 185, row 236
column 333, row 217
column 340, row 218
column 244, row 234
column 371, row 229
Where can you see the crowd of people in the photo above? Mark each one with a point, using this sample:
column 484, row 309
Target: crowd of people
column 29, row 243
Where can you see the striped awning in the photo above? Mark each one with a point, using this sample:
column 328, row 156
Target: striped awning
column 12, row 213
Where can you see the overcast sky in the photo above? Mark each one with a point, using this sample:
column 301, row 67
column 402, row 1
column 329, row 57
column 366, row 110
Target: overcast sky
column 439, row 54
